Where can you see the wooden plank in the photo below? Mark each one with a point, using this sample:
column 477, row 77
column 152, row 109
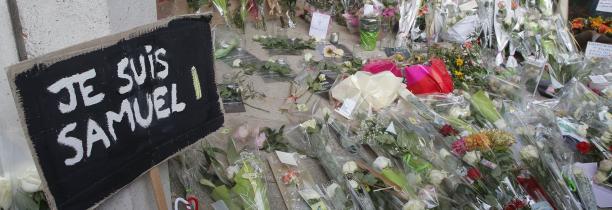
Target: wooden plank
column 158, row 189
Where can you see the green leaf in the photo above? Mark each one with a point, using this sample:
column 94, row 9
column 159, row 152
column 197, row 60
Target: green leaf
column 396, row 178
column 207, row 182
column 232, row 154
column 484, row 106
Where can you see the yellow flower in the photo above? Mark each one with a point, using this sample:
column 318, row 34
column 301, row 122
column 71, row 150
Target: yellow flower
column 596, row 22
column 458, row 74
column 502, row 140
column 459, row 61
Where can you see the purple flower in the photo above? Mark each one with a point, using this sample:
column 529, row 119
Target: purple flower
column 260, row 139
column 389, row 12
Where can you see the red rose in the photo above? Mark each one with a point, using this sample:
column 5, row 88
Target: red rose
column 474, row 174
column 448, row 130
column 610, row 148
column 515, row 204
column 583, row 147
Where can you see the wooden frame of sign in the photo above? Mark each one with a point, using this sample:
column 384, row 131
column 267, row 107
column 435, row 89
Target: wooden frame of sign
column 100, row 114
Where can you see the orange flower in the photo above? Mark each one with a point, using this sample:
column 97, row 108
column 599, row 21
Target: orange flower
column 578, row 23
column 514, row 5
column 478, row 141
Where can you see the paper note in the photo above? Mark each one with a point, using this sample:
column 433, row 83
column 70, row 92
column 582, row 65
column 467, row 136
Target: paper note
column 595, row 49
column 286, row 158
column 347, row 108
column 319, row 25
column 602, row 194
column 604, row 6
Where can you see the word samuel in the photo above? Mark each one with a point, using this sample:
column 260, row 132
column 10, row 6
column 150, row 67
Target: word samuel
column 151, row 66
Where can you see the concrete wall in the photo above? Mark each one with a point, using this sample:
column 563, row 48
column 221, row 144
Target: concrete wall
column 8, row 56
column 50, row 25
column 125, row 14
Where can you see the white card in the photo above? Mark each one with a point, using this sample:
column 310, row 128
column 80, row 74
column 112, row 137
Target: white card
column 368, row 9
column 319, row 25
column 391, row 129
column 347, row 108
column 604, row 6
column 595, row 49
column 286, row 158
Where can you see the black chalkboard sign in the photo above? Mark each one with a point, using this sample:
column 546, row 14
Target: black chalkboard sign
column 100, row 114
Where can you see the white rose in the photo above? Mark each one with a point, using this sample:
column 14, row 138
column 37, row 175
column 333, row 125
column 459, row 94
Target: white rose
column 256, row 37
column 349, row 167
column 30, row 181
column 437, row 176
column 307, row 57
column 348, row 64
column 6, row 196
column 600, row 177
column 605, row 165
column 472, row 157
column 231, row 171
column 381, row 163
column 322, row 77
column 414, row 205
column 582, row 129
column 339, row 52
column 312, row 123
column 529, row 152
column 271, row 60
column 444, row 153
column 236, row 63
column 353, row 184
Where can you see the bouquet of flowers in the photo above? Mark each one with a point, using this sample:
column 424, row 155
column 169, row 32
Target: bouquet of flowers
column 464, row 63
column 599, row 24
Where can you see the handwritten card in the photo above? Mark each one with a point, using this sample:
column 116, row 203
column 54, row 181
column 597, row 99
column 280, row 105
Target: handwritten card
column 319, row 25
column 600, row 50
column 604, row 6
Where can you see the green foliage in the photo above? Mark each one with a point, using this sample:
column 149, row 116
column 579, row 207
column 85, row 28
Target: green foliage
column 285, row 43
column 275, row 140
column 266, row 67
column 194, row 5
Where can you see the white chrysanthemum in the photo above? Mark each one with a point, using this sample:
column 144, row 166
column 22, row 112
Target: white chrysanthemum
column 6, row 196
column 529, row 152
column 414, row 205
column 472, row 158
column 381, row 163
column 30, row 181
column 437, row 176
column 236, row 63
column 349, row 167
